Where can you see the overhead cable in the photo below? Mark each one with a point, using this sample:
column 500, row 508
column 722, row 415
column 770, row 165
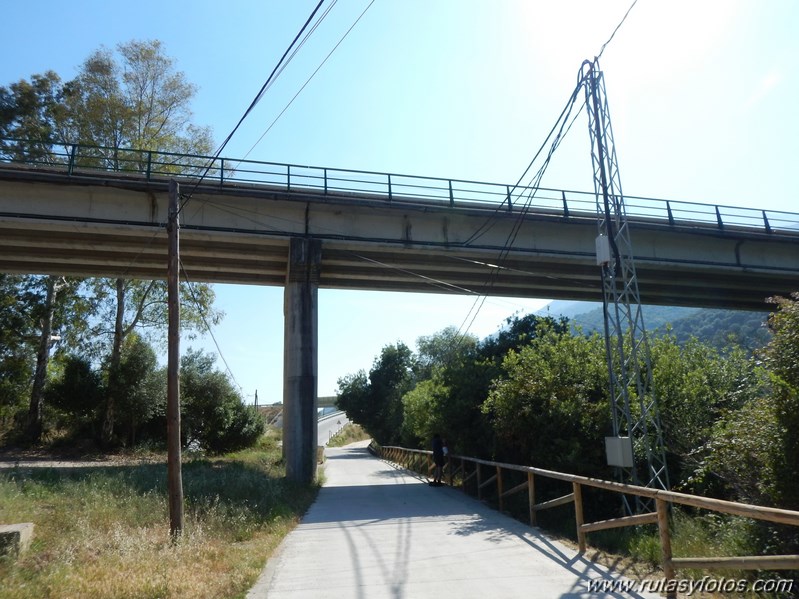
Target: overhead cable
column 612, row 35
column 252, row 105
column 272, row 124
column 537, row 178
column 561, row 122
column 208, row 328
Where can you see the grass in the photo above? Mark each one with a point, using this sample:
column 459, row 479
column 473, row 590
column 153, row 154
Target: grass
column 104, row 531
column 706, row 535
column 350, row 433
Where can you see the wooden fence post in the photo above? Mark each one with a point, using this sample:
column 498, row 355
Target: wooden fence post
column 578, row 515
column 531, row 496
column 499, row 489
column 479, row 482
column 665, row 542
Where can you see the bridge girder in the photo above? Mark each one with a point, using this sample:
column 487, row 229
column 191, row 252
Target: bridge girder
column 93, row 226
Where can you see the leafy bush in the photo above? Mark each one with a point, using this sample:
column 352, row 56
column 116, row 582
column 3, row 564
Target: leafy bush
column 213, row 415
column 550, row 408
column 77, row 393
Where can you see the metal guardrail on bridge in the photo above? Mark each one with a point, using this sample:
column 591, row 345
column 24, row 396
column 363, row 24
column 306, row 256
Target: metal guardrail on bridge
column 74, row 159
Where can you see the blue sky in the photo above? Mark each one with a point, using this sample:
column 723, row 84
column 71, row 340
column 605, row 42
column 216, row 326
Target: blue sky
column 702, row 95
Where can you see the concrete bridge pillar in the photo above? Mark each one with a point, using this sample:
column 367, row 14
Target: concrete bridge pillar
column 300, row 358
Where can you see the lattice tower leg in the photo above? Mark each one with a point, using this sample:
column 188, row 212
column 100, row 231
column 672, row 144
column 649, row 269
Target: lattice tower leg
column 634, row 410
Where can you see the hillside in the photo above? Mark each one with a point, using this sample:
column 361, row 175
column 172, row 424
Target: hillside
column 712, row 326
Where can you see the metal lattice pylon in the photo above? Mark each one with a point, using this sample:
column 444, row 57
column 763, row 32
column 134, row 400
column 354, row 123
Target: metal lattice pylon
column 634, row 410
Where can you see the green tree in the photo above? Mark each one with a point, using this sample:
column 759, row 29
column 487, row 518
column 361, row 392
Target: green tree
column 35, row 311
column 136, row 101
column 353, row 395
column 212, row 411
column 29, row 115
column 550, row 408
column 77, row 393
column 423, row 412
column 139, row 102
column 58, row 295
column 375, row 402
column 469, row 378
column 782, row 360
column 17, row 336
column 696, row 386
column 738, row 460
column 425, row 407
column 441, row 350
column 141, row 388
column 126, row 102
column 133, row 305
column 390, row 378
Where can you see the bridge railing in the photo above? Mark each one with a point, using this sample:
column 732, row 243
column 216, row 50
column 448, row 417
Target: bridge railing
column 488, row 476
column 76, row 159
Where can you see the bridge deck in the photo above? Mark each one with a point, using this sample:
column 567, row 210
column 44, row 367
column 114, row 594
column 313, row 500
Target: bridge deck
column 376, row 531
column 96, row 223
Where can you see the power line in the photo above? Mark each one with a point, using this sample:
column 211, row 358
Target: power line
column 302, row 43
column 430, row 280
column 562, row 119
column 272, row 124
column 539, row 175
column 612, row 35
column 566, row 109
column 278, row 69
column 201, row 312
column 252, row 105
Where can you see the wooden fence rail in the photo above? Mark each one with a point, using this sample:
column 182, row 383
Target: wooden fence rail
column 410, row 459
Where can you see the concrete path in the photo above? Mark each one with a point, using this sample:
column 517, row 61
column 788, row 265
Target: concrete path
column 377, row 531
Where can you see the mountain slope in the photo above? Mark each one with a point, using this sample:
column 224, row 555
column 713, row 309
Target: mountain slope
column 713, row 326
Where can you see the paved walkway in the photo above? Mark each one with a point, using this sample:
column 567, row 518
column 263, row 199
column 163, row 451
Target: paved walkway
column 377, row 531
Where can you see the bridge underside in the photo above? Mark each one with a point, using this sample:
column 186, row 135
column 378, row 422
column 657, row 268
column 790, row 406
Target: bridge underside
column 93, row 225
column 89, row 226
column 33, row 246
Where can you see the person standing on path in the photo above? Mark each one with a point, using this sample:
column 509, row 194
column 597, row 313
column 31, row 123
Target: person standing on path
column 438, row 460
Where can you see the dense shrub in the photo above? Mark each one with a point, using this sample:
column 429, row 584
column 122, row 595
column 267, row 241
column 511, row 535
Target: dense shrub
column 213, row 414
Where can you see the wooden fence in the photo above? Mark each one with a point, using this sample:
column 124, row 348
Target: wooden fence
column 487, row 473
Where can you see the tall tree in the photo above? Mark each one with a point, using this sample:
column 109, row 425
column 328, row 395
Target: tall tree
column 16, row 343
column 782, row 359
column 52, row 285
column 132, row 305
column 124, row 103
column 140, row 387
column 442, row 349
column 550, row 407
column 34, row 310
column 698, row 386
column 138, row 103
column 30, row 113
column 375, row 401
column 77, row 393
column 430, row 406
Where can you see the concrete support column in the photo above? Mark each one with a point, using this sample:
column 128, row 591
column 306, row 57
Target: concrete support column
column 300, row 351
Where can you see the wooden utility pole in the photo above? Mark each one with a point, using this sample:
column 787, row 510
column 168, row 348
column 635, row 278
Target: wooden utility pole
column 174, row 474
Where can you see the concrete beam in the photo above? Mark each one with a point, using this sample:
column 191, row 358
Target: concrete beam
column 300, row 355
column 240, row 234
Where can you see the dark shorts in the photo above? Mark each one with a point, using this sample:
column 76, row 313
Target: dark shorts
column 438, row 460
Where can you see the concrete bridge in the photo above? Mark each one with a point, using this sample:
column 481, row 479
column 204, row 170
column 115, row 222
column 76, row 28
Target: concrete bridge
column 304, row 228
